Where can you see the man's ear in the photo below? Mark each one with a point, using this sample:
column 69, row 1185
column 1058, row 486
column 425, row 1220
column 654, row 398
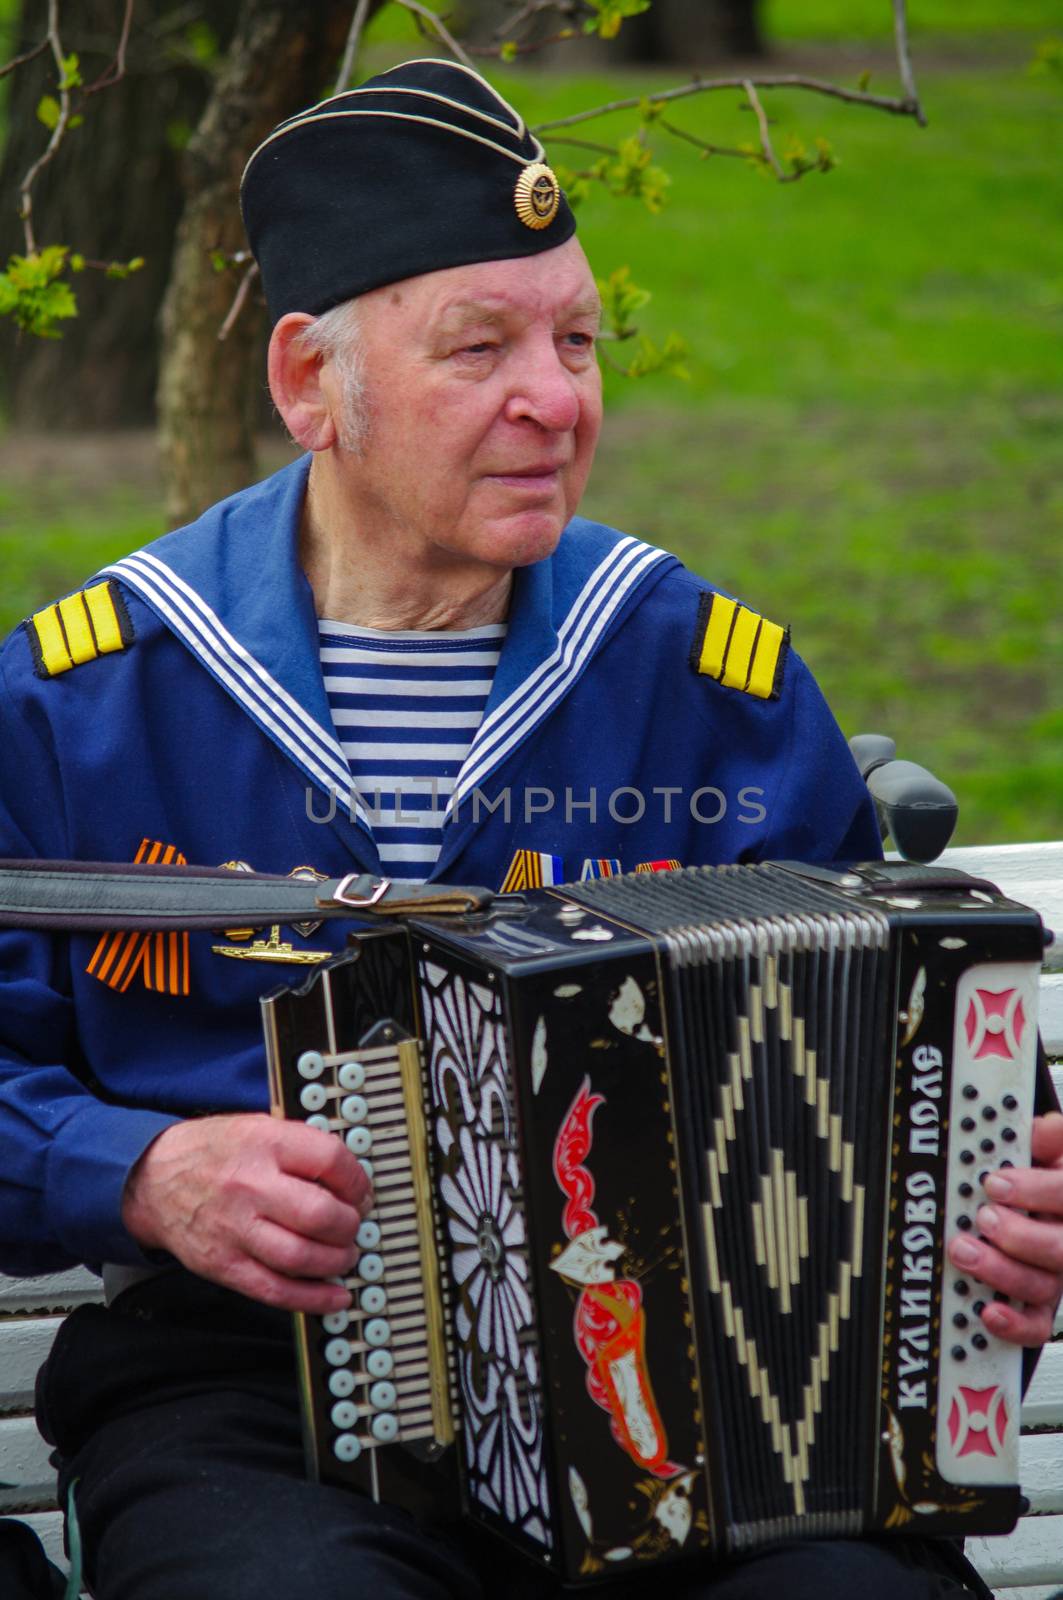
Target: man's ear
column 295, row 384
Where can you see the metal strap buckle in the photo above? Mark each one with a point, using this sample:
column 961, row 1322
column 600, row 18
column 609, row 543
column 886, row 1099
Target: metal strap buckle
column 341, row 896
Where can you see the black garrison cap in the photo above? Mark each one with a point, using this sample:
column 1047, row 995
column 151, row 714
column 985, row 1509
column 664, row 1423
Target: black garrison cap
column 422, row 167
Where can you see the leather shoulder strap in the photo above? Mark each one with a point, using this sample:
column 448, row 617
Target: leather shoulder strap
column 84, row 896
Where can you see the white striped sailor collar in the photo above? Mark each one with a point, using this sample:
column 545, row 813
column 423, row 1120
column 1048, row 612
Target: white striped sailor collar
column 230, row 587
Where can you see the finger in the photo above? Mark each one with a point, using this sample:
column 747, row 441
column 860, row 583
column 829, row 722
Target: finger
column 1046, row 1138
column 983, row 1261
column 308, row 1209
column 1032, row 1188
column 295, row 1256
column 1027, row 1240
column 1025, row 1325
column 312, row 1153
column 314, row 1296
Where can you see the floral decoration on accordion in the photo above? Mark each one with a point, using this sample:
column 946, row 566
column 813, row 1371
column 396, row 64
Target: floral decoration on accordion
column 912, row 1498
column 668, row 1516
column 609, row 1322
column 489, row 1268
column 480, row 1188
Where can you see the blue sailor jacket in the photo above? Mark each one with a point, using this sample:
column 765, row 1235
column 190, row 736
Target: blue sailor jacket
column 205, row 730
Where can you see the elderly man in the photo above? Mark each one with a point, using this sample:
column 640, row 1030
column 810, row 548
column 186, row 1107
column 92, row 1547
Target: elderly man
column 403, row 653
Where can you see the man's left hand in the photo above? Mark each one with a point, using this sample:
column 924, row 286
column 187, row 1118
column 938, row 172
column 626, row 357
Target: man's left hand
column 1021, row 1254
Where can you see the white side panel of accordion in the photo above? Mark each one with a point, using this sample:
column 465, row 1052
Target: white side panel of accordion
column 384, row 1384
column 990, row 1120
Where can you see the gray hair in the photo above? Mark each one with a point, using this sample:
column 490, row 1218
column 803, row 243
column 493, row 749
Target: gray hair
column 336, row 336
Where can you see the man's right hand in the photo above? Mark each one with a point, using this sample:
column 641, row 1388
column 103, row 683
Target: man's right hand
column 265, row 1207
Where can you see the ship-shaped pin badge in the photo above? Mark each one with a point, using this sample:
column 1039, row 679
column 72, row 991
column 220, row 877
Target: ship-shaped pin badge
column 273, row 948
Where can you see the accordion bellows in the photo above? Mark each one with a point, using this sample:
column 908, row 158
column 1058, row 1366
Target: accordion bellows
column 665, row 1166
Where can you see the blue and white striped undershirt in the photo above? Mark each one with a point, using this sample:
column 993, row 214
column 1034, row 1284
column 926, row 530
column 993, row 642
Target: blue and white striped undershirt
column 406, row 706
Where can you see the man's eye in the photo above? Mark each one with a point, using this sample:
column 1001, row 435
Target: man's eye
column 478, row 349
column 580, row 341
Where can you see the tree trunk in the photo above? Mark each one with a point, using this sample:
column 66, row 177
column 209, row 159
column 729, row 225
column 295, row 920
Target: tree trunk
column 112, row 192
column 281, row 57
column 693, row 33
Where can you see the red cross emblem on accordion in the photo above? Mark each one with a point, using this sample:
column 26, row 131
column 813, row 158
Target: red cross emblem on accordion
column 995, row 1024
column 978, row 1421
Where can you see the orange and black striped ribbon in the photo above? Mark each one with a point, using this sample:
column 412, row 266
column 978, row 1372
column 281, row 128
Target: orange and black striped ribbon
column 160, row 958
column 532, row 869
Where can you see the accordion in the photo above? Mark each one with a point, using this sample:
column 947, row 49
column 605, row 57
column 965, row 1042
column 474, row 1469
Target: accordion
column 664, row 1168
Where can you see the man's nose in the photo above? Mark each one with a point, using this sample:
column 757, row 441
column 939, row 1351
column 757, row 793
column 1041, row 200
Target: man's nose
column 545, row 391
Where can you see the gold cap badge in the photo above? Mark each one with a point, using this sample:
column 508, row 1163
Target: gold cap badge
column 537, row 195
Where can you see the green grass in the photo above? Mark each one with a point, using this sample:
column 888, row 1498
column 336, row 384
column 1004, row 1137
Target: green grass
column 873, row 19
column 42, row 556
column 871, row 443
column 918, row 562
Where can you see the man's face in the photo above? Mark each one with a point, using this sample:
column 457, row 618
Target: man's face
column 484, row 404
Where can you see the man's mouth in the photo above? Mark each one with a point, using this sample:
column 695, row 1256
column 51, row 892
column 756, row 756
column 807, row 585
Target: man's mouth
column 541, row 475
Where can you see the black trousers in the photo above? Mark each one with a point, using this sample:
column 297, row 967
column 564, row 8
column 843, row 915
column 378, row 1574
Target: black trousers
column 175, row 1414
column 25, row 1571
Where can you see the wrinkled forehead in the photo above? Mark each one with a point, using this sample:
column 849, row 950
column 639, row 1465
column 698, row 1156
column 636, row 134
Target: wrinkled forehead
column 552, row 286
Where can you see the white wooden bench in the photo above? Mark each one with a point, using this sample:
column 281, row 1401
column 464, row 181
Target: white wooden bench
column 1025, row 1565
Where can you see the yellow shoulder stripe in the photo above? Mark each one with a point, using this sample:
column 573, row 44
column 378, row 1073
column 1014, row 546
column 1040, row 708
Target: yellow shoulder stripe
column 739, row 648
column 85, row 625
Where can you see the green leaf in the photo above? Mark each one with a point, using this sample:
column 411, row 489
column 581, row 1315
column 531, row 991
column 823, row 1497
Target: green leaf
column 649, row 359
column 77, row 263
column 178, row 133
column 71, row 77
column 76, row 120
column 48, row 111
column 646, row 360
column 621, row 298
column 33, row 294
column 202, row 41
column 609, row 15
column 123, row 269
column 827, row 159
column 508, row 51
column 1048, row 59
column 862, row 82
column 632, row 173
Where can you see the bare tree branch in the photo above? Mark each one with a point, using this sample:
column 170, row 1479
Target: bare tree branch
column 904, row 61
column 239, row 300
column 788, row 80
column 20, row 61
column 504, row 52
column 527, row 13
column 350, row 52
column 765, row 136
column 691, row 138
column 116, row 71
column 438, row 26
column 25, row 196
column 585, row 144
